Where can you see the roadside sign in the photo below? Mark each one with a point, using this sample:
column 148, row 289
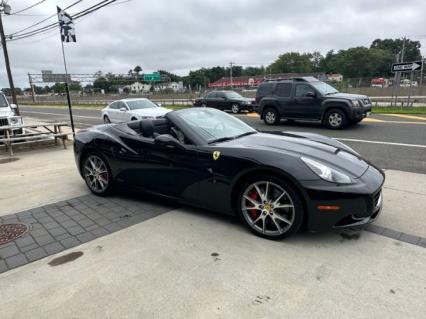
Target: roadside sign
column 407, row 66
column 50, row 77
column 152, row 77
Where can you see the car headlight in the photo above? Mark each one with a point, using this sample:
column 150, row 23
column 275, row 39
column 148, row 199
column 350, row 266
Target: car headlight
column 326, row 173
column 355, row 103
column 14, row 120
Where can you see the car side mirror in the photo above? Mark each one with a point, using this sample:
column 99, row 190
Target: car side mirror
column 159, row 104
column 13, row 106
column 123, row 109
column 310, row 94
column 168, row 141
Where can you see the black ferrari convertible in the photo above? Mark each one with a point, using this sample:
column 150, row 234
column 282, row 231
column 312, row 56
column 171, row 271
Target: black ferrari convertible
column 207, row 158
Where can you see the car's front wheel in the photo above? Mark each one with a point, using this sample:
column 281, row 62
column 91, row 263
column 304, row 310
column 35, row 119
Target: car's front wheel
column 335, row 119
column 270, row 207
column 235, row 108
column 271, row 116
column 97, row 174
column 106, row 119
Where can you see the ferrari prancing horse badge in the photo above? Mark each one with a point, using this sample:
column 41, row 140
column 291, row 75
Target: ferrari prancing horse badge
column 216, row 155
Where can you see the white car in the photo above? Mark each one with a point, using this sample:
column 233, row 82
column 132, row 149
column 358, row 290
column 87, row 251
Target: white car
column 127, row 110
column 8, row 117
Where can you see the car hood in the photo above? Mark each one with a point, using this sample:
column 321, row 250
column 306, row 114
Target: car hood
column 347, row 96
column 5, row 112
column 315, row 146
column 153, row 111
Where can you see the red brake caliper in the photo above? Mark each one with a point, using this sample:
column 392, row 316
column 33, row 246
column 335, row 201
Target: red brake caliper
column 253, row 212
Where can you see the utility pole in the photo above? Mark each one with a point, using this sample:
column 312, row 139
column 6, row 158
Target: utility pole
column 5, row 8
column 230, row 71
column 398, row 74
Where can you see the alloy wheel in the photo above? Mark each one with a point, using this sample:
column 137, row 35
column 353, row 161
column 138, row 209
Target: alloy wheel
column 268, row 208
column 96, row 174
column 335, row 119
column 235, row 108
column 270, row 117
column 106, row 120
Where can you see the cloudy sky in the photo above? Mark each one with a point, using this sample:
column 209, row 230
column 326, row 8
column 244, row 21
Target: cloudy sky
column 188, row 34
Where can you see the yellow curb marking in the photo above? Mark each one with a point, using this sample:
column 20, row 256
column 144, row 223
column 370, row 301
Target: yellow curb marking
column 406, row 116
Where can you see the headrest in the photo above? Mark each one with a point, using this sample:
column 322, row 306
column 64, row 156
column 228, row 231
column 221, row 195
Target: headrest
column 147, row 128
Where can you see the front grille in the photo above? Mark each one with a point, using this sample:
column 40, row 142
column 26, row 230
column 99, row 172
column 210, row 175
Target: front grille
column 4, row 122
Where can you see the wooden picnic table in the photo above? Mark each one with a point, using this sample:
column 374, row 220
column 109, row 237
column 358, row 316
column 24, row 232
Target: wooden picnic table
column 51, row 130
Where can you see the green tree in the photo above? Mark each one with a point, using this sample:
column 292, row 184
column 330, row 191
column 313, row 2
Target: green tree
column 411, row 51
column 293, row 62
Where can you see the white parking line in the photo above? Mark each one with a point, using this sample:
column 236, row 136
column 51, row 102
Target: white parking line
column 379, row 142
column 61, row 114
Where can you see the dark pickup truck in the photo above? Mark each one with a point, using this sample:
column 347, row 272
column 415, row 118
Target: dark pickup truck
column 308, row 99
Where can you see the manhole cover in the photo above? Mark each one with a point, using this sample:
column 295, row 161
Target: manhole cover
column 9, row 232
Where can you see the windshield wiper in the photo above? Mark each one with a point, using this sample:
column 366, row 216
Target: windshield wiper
column 222, row 139
column 245, row 134
column 229, row 138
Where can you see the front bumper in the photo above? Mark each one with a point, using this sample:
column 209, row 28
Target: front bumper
column 358, row 204
column 362, row 112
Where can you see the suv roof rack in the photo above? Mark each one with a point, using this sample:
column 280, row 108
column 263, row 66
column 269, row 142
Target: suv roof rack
column 301, row 79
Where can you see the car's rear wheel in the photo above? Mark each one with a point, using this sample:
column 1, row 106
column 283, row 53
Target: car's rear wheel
column 106, row 119
column 270, row 207
column 271, row 116
column 336, row 119
column 97, row 174
column 235, row 108
column 203, row 105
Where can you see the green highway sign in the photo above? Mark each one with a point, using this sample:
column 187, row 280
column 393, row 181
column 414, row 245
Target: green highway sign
column 153, row 77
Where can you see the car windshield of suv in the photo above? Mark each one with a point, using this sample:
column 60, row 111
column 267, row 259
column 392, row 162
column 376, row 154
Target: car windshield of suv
column 233, row 95
column 3, row 102
column 140, row 104
column 214, row 125
column 324, row 88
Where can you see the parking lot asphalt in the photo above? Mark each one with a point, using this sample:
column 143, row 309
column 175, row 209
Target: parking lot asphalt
column 389, row 141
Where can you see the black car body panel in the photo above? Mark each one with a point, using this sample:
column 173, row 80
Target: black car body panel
column 222, row 101
column 191, row 175
column 293, row 104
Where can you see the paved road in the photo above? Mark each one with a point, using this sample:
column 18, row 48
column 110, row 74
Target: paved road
column 392, row 142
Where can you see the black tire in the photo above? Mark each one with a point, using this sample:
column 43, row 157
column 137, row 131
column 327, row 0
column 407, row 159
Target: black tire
column 295, row 215
column 106, row 119
column 235, row 108
column 133, row 119
column 271, row 116
column 335, row 119
column 107, row 175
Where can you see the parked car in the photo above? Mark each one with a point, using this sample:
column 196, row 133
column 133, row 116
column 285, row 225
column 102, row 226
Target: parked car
column 309, row 99
column 210, row 159
column 8, row 116
column 225, row 100
column 127, row 110
column 406, row 83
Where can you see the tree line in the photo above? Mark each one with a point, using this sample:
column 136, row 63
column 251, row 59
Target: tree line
column 357, row 62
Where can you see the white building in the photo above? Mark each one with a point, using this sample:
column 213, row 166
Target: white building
column 138, row 87
column 174, row 86
column 334, row 77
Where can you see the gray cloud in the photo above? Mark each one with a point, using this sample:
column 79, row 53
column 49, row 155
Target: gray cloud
column 188, row 34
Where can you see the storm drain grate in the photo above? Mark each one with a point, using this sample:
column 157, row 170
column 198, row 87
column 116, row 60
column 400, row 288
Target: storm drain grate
column 9, row 232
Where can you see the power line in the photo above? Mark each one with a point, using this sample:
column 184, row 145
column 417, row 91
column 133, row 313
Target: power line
column 27, row 8
column 41, row 21
column 54, row 25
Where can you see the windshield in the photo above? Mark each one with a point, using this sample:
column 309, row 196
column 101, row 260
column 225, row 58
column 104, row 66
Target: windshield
column 3, row 101
column 214, row 125
column 323, row 87
column 140, row 104
column 233, row 95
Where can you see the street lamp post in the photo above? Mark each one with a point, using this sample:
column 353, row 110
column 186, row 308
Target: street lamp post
column 5, row 8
